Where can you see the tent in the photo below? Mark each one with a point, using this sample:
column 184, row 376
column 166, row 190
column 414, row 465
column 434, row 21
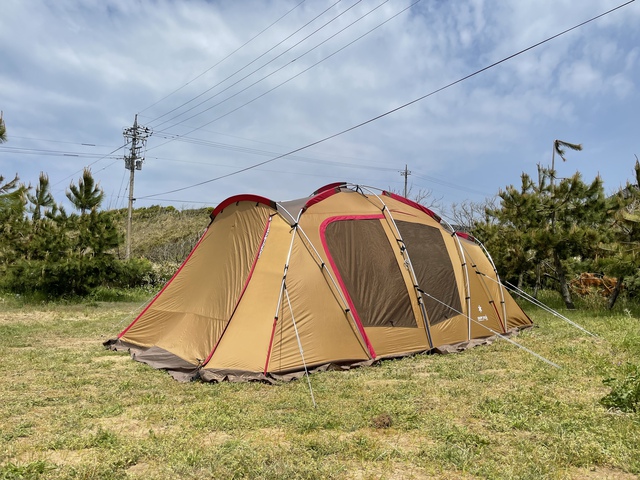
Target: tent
column 342, row 278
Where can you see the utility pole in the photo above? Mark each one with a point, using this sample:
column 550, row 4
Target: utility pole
column 405, row 173
column 137, row 136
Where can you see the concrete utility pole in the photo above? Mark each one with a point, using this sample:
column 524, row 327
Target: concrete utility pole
column 137, row 135
column 405, row 173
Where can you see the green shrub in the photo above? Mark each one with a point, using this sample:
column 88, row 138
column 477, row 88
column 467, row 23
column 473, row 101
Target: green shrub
column 74, row 275
column 625, row 392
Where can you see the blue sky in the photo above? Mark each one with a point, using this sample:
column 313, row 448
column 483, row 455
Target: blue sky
column 264, row 78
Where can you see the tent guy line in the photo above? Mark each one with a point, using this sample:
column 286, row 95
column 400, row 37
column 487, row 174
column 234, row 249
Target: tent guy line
column 497, row 334
column 531, row 299
column 378, row 117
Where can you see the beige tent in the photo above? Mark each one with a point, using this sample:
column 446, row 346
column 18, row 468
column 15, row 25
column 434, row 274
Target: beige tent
column 344, row 277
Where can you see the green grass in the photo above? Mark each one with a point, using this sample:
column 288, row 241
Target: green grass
column 71, row 409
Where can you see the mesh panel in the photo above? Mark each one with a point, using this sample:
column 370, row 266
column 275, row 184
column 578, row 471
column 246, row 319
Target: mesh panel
column 370, row 272
column 433, row 269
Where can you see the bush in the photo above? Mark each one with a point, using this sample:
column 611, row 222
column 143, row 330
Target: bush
column 74, row 275
column 625, row 392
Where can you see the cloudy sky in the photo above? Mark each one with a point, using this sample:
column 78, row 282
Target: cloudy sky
column 225, row 86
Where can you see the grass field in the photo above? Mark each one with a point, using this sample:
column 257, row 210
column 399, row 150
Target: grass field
column 71, row 409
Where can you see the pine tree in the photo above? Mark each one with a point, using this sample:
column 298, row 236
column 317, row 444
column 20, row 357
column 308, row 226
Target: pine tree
column 621, row 256
column 87, row 195
column 552, row 223
column 13, row 226
column 42, row 199
column 3, row 130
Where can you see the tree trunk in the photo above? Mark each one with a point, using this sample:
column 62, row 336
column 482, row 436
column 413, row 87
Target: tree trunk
column 538, row 282
column 562, row 280
column 616, row 292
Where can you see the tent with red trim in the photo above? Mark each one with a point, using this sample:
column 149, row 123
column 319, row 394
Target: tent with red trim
column 344, row 277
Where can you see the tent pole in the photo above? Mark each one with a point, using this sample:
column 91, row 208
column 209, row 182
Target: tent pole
column 304, row 363
column 465, row 269
column 403, row 251
column 282, row 288
column 501, row 287
column 502, row 317
column 337, row 289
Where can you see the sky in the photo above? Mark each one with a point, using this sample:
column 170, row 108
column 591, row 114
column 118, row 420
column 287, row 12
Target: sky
column 225, row 86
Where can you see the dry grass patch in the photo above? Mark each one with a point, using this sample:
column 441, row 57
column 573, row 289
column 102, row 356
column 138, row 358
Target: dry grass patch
column 71, row 409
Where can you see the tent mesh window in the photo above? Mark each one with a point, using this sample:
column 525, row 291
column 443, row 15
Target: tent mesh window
column 372, row 277
column 433, row 269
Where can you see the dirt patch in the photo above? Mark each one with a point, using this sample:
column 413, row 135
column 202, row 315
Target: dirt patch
column 57, row 457
column 398, row 471
column 142, row 470
column 382, row 383
column 600, row 473
column 214, row 439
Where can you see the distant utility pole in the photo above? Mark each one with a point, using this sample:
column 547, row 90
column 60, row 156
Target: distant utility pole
column 137, row 136
column 405, row 173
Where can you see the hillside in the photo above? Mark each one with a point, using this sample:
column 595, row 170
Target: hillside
column 163, row 234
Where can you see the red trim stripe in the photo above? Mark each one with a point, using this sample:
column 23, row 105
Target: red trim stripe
column 121, row 334
column 244, row 288
column 466, row 236
column 323, row 195
column 242, row 198
column 273, row 334
column 343, row 286
column 413, row 204
column 330, row 186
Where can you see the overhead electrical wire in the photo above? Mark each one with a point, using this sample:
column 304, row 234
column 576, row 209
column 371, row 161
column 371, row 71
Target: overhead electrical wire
column 289, row 63
column 312, row 160
column 299, row 73
column 60, row 141
column 54, row 153
column 254, row 151
column 389, row 112
column 250, row 63
column 225, row 58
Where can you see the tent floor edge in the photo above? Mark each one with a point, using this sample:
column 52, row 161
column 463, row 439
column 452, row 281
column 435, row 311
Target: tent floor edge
column 475, row 342
column 158, row 358
column 221, row 375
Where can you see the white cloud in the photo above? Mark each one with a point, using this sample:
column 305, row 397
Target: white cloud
column 79, row 71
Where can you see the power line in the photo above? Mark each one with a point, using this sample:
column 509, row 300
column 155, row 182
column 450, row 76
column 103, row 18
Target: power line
column 47, row 152
column 299, row 73
column 250, row 63
column 225, row 58
column 61, row 141
column 273, row 72
column 253, row 151
column 378, row 117
column 445, row 183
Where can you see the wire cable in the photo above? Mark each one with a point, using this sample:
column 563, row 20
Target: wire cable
column 250, row 63
column 299, row 73
column 273, row 72
column 378, row 117
column 225, row 58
